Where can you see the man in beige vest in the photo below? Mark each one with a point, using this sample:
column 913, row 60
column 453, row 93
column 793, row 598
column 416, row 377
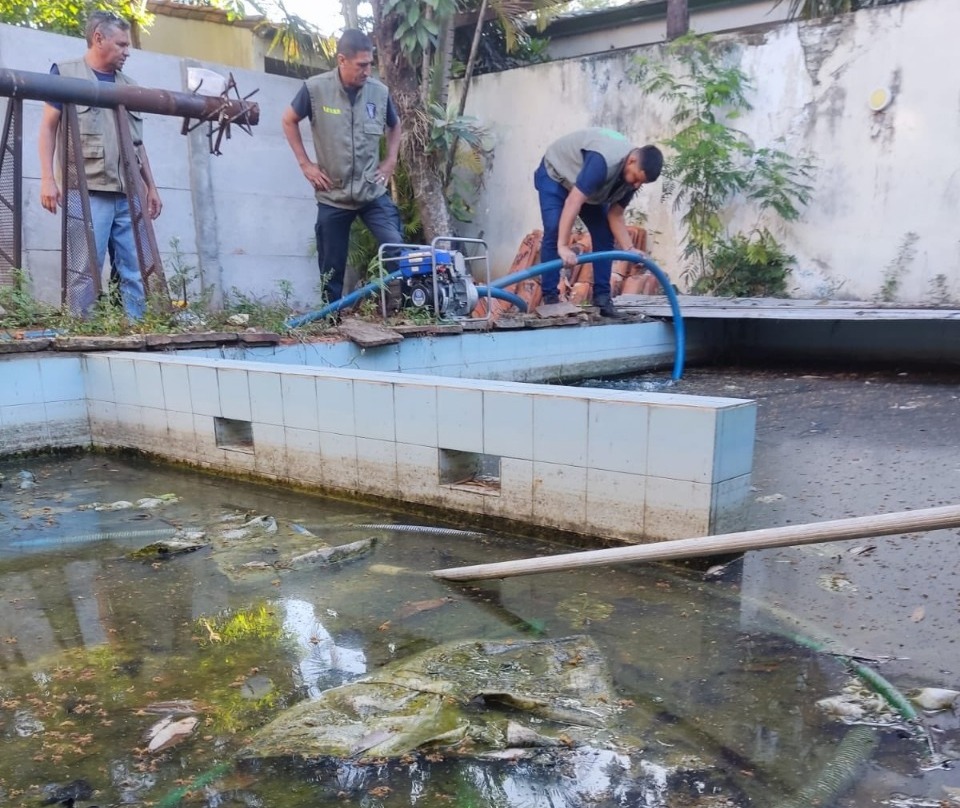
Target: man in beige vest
column 108, row 46
column 349, row 113
column 591, row 174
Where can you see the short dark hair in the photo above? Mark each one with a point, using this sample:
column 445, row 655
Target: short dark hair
column 104, row 21
column 353, row 41
column 650, row 160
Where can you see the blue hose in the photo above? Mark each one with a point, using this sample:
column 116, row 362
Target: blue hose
column 496, row 290
column 349, row 300
column 502, row 294
column 679, row 330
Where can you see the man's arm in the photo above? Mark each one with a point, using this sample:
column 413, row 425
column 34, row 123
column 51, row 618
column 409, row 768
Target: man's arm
column 389, row 163
column 291, row 130
column 47, row 144
column 571, row 209
column 154, row 205
column 618, row 226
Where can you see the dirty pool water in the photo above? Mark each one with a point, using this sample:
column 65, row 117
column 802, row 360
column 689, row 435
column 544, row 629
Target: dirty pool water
column 729, row 688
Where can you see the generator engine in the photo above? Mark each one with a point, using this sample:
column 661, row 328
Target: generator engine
column 456, row 293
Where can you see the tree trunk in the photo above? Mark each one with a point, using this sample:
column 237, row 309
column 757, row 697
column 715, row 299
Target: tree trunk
column 678, row 18
column 403, row 79
column 351, row 18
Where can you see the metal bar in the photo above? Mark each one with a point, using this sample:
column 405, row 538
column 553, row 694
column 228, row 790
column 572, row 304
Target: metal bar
column 148, row 254
column 50, row 87
column 74, row 192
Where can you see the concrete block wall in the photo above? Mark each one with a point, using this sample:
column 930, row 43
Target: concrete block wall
column 630, row 466
column 42, row 403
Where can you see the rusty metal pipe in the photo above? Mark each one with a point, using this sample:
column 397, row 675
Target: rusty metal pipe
column 50, row 87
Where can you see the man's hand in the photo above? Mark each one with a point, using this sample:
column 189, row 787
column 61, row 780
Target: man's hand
column 385, row 171
column 567, row 256
column 49, row 194
column 154, row 205
column 316, row 177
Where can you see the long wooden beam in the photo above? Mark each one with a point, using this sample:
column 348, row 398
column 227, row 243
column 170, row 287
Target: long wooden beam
column 858, row 527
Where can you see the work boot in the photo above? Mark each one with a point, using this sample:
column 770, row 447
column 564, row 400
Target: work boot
column 549, row 300
column 607, row 309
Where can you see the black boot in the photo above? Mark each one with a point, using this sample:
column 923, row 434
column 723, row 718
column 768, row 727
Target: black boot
column 607, row 309
column 549, row 300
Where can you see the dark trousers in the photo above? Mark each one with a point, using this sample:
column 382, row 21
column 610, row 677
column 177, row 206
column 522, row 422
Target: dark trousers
column 552, row 198
column 333, row 237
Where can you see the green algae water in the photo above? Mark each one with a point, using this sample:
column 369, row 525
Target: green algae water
column 154, row 620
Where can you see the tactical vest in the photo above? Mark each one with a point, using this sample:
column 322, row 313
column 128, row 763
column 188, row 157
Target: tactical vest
column 564, row 160
column 98, row 133
column 346, row 138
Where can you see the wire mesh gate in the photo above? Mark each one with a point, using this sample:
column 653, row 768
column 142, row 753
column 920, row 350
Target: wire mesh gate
column 11, row 192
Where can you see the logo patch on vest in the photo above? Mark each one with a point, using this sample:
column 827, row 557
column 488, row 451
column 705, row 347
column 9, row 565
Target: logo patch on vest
column 331, row 110
column 371, row 110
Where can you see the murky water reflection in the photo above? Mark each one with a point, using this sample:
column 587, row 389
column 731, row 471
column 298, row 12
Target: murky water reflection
column 717, row 703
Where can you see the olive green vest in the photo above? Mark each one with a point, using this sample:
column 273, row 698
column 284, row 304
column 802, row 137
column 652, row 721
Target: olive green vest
column 98, row 133
column 347, row 138
column 564, row 160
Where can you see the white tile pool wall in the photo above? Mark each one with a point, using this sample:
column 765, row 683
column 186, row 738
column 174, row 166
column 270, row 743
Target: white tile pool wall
column 630, row 466
column 42, row 403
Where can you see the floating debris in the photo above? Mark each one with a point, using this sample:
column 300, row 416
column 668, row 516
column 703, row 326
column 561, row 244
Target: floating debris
column 167, row 733
column 167, row 548
column 56, row 794
column 26, row 724
column 333, row 555
column 172, row 707
column 256, row 687
column 27, row 480
column 934, row 698
column 420, row 606
column 836, row 582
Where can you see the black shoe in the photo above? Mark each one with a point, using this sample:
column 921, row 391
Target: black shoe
column 549, row 300
column 607, row 309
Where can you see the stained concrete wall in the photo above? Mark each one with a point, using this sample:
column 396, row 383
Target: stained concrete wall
column 886, row 195
column 645, row 23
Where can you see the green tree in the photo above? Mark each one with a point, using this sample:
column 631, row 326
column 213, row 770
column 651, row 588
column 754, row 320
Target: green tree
column 415, row 41
column 713, row 163
column 68, row 16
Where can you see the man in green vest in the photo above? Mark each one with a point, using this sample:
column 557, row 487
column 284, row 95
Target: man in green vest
column 349, row 112
column 593, row 174
column 108, row 46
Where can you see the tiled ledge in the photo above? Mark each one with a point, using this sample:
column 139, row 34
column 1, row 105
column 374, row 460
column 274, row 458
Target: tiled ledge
column 627, row 466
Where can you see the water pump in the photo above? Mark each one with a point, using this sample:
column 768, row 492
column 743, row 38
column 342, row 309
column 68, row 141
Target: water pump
column 437, row 281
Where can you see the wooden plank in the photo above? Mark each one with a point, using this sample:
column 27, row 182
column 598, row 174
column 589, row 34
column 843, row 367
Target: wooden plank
column 768, row 308
column 368, row 335
column 859, row 527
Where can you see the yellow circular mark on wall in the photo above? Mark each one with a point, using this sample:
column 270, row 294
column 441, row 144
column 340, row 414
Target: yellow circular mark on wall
column 880, row 99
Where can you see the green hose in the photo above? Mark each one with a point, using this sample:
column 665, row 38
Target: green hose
column 838, row 775
column 174, row 797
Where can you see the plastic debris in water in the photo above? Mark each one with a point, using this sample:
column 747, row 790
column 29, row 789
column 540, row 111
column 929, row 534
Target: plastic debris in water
column 935, row 698
column 167, row 733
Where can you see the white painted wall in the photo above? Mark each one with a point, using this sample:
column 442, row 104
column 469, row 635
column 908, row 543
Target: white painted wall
column 881, row 176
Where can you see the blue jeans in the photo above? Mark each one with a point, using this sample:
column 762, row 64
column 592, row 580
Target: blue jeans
column 552, row 198
column 333, row 237
column 110, row 214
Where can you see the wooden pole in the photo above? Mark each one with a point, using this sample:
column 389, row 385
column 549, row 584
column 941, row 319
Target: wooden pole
column 836, row 530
